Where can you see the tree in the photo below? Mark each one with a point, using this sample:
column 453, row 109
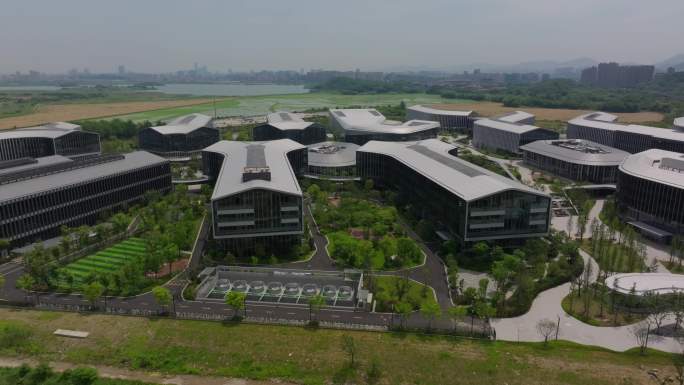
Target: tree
column 2, row 283
column 93, row 291
column 236, row 301
column 545, row 328
column 81, row 376
column 457, row 313
column 404, row 309
column 641, row 333
column 162, row 295
column 4, row 246
column 316, row 302
column 349, row 347
column 430, row 310
column 26, row 283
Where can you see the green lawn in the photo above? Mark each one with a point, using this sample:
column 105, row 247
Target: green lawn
column 261, row 105
column 387, row 290
column 108, row 261
column 316, row 356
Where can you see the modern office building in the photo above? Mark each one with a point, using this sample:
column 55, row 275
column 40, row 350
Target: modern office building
column 650, row 193
column 509, row 132
column 257, row 202
column 575, row 159
column 447, row 119
column 50, row 139
column 679, row 124
column 471, row 202
column 603, row 128
column 38, row 196
column 286, row 125
column 331, row 160
column 363, row 125
column 181, row 139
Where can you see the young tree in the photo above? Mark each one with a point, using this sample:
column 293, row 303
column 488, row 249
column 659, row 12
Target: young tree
column 349, row 347
column 162, row 295
column 2, row 283
column 641, row 333
column 430, row 310
column 316, row 303
column 4, row 246
column 236, row 301
column 457, row 313
column 26, row 283
column 404, row 310
column 93, row 291
column 545, row 328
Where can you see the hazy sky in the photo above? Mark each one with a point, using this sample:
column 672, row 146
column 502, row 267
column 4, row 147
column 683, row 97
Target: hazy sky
column 167, row 35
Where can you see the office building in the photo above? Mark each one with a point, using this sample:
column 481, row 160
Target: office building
column 181, row 139
column 38, row 196
column 470, row 202
column 650, row 193
column 509, row 132
column 447, row 119
column 363, row 125
column 575, row 159
column 257, row 203
column 603, row 128
column 616, row 75
column 59, row 138
column 286, row 125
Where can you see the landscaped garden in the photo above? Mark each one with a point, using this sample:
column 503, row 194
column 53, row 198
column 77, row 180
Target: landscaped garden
column 363, row 231
column 105, row 258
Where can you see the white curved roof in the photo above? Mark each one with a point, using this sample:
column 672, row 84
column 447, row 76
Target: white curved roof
column 229, row 180
column 185, row 124
column 287, row 121
column 431, row 158
column 515, row 117
column 372, row 121
column 604, row 121
column 49, row 130
column 665, row 167
column 332, row 154
column 679, row 123
column 439, row 111
column 661, row 283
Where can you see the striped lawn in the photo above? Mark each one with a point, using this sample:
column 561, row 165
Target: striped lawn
column 107, row 261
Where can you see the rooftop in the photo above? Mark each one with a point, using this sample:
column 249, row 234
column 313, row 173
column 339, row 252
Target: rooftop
column 604, row 121
column 332, row 154
column 30, row 163
column 679, row 123
column 271, row 155
column 49, row 130
column 439, row 111
column 287, row 121
column 577, row 151
column 370, row 120
column 185, row 124
column 431, row 158
column 509, row 122
column 665, row 167
column 70, row 176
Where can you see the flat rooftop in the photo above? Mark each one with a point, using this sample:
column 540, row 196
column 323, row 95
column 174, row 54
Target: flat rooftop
column 332, row 154
column 283, row 120
column 241, row 155
column 185, row 124
column 31, row 163
column 577, row 151
column 372, row 121
column 431, row 159
column 439, row 111
column 71, row 176
column 665, row 167
column 679, row 123
column 608, row 122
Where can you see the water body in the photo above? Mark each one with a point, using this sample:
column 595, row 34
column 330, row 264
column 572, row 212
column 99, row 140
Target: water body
column 30, row 88
column 233, row 89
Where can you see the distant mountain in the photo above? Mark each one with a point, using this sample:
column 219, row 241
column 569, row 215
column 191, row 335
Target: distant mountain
column 676, row 61
column 548, row 66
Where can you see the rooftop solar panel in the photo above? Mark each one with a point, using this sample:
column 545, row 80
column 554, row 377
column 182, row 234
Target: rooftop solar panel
column 285, row 116
column 374, row 113
column 256, row 156
column 445, row 160
column 340, row 113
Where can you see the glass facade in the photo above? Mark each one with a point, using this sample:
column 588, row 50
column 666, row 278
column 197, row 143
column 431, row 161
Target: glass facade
column 177, row 144
column 362, row 138
column 315, row 133
column 574, row 171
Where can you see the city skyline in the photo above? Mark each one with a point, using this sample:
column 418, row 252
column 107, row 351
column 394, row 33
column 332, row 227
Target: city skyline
column 381, row 35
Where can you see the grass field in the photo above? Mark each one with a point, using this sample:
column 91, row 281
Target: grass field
column 108, row 261
column 311, row 356
column 78, row 111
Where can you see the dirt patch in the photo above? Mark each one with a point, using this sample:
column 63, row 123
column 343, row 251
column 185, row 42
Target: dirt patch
column 68, row 112
column 176, row 266
column 492, row 109
column 153, row 378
